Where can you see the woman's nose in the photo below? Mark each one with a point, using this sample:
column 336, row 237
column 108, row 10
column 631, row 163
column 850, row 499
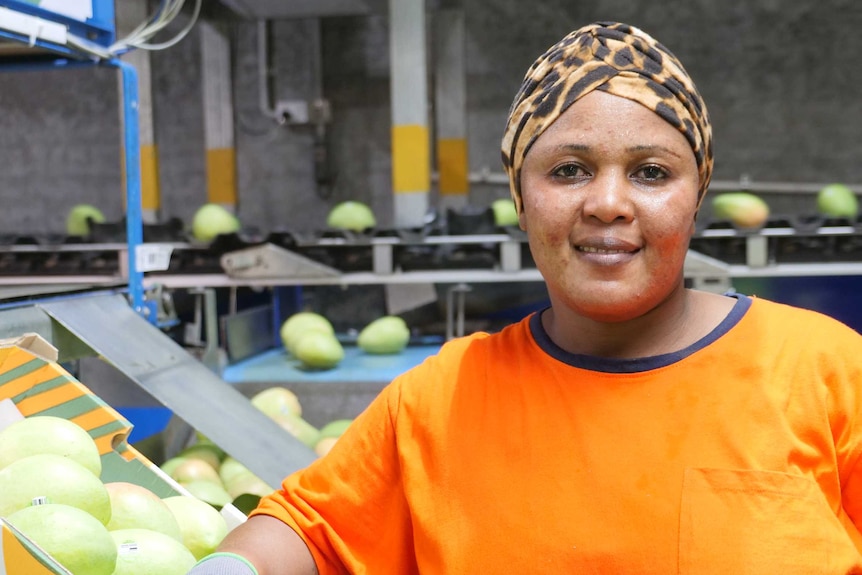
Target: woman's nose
column 608, row 199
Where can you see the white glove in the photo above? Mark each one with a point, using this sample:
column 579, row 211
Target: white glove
column 223, row 564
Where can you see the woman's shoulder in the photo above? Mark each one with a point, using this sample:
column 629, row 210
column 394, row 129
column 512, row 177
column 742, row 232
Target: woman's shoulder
column 799, row 321
column 470, row 352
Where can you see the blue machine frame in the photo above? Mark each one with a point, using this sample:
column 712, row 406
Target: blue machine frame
column 99, row 28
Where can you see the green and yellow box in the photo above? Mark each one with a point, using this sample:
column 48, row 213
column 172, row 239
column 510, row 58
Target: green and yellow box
column 34, row 383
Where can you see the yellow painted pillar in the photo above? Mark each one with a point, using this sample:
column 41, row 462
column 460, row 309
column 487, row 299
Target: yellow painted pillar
column 450, row 99
column 218, row 115
column 128, row 15
column 411, row 155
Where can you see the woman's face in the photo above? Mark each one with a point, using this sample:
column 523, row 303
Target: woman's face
column 609, row 196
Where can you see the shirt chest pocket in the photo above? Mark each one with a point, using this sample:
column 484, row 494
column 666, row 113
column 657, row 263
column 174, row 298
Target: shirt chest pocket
column 760, row 522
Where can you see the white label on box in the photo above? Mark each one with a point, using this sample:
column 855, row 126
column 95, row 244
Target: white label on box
column 153, row 257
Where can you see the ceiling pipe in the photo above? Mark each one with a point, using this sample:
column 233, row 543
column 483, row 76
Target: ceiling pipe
column 264, row 75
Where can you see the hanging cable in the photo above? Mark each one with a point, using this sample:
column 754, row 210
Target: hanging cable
column 166, row 13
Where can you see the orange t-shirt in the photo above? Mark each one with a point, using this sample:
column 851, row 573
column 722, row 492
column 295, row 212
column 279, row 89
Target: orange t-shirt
column 506, row 454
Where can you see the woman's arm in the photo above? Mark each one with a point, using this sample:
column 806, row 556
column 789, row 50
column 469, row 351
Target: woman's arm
column 268, row 544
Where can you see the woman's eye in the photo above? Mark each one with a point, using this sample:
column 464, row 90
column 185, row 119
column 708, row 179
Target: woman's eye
column 651, row 173
column 569, row 171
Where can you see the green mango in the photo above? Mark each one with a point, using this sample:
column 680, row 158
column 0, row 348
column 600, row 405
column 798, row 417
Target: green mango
column 299, row 428
column 505, row 213
column 335, row 428
column 318, row 350
column 385, row 335
column 743, row 209
column 301, row 323
column 837, row 201
column 351, row 215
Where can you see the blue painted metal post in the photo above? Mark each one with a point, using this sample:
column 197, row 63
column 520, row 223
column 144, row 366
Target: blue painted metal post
column 134, row 222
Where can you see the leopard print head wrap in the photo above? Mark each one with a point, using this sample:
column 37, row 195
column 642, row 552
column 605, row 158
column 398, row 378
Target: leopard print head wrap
column 618, row 59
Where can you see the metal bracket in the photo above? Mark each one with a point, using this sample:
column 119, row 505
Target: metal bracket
column 455, row 317
column 206, row 320
column 271, row 261
column 159, row 306
column 707, row 273
column 510, row 256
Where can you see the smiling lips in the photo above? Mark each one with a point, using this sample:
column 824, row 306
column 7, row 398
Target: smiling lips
column 592, row 250
column 606, row 250
column 602, row 245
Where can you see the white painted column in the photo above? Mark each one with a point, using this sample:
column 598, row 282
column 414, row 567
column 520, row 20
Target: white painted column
column 128, row 15
column 411, row 158
column 218, row 115
column 450, row 101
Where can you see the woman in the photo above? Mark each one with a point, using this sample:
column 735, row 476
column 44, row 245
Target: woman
column 634, row 426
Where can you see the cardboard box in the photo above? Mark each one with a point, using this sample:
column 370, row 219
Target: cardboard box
column 33, row 383
column 20, row 555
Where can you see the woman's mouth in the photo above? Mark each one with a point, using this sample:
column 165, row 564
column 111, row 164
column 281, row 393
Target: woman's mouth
column 607, row 252
column 592, row 250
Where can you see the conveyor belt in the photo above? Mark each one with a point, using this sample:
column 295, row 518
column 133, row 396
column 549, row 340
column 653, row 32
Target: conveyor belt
column 342, row 392
column 275, row 366
column 784, row 239
column 183, row 384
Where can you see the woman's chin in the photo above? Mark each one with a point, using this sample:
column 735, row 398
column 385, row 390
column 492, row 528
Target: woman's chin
column 608, row 308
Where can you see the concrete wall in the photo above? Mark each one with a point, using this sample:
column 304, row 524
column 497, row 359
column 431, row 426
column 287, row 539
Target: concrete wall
column 781, row 80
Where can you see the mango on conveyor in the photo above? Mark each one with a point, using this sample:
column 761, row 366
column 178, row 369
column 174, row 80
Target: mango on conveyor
column 743, row 209
column 385, row 335
column 837, row 201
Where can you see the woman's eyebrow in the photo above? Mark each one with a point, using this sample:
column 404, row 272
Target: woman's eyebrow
column 573, row 148
column 653, row 148
column 636, row 148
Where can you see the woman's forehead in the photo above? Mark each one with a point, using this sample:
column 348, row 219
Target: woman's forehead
column 601, row 118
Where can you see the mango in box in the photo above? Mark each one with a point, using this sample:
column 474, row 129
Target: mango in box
column 136, row 507
column 147, row 552
column 74, row 538
column 201, row 526
column 33, row 390
column 209, row 491
column 49, row 434
column 52, row 479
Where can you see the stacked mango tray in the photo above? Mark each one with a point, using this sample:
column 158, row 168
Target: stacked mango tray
column 88, row 522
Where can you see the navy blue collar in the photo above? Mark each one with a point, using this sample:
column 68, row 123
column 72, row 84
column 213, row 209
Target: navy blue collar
column 614, row 365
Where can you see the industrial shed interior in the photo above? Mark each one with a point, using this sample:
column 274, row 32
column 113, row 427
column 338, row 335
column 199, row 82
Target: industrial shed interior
column 276, row 112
